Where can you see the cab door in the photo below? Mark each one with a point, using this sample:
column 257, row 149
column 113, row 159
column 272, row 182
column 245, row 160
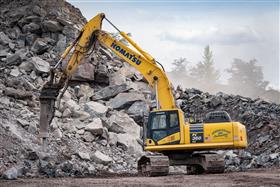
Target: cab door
column 163, row 127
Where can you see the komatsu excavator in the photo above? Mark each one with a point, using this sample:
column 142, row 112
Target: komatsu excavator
column 167, row 133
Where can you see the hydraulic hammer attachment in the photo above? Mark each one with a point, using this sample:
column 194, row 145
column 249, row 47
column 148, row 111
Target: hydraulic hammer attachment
column 48, row 97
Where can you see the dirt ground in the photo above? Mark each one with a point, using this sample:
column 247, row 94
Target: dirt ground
column 270, row 177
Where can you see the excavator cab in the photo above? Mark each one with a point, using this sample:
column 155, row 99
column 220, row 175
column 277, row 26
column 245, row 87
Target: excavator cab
column 163, row 127
column 167, row 130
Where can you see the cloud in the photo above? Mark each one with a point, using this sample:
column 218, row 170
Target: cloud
column 212, row 35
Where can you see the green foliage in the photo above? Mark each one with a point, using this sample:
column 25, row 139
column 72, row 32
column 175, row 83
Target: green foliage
column 246, row 77
column 204, row 72
column 179, row 66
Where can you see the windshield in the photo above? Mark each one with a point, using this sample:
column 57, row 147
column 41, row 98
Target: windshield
column 162, row 123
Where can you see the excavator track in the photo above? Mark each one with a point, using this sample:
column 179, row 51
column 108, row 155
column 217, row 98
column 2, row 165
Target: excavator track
column 152, row 166
column 197, row 163
column 214, row 163
column 205, row 163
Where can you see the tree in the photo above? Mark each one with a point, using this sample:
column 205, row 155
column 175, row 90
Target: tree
column 247, row 78
column 179, row 66
column 179, row 73
column 204, row 72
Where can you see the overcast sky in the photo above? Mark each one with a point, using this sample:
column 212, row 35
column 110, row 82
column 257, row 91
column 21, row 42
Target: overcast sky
column 172, row 29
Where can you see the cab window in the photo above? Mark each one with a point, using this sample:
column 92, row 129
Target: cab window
column 159, row 122
column 174, row 121
column 162, row 124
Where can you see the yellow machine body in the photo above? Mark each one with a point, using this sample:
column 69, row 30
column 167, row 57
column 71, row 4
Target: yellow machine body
column 200, row 136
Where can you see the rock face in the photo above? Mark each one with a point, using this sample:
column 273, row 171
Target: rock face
column 87, row 136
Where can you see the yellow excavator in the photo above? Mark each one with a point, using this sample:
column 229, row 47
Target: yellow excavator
column 174, row 140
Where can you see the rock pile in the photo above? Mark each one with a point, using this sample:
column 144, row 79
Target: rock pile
column 94, row 128
column 262, row 120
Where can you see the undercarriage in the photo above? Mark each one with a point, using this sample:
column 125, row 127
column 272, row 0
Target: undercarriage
column 196, row 163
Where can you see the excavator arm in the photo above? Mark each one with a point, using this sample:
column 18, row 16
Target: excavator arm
column 89, row 35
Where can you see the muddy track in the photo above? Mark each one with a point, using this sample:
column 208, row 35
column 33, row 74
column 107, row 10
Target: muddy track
column 269, row 177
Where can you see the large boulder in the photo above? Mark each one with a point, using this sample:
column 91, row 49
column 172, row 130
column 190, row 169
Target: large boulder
column 137, row 111
column 52, row 26
column 39, row 47
column 116, row 128
column 29, row 19
column 117, row 79
column 61, row 44
column 15, row 72
column 3, row 53
column 27, row 66
column 41, row 66
column 13, row 59
column 101, row 74
column 32, row 27
column 72, row 105
column 141, row 86
column 126, row 124
column 109, row 92
column 17, row 93
column 124, row 100
column 88, row 137
column 11, row 173
column 124, row 74
column 85, row 72
column 84, row 155
column 4, row 39
column 83, row 92
column 95, row 127
column 129, row 143
column 101, row 158
column 113, row 138
column 95, row 109
column 30, row 39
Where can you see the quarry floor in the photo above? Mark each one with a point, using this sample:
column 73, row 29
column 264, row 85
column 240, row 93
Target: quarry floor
column 267, row 177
